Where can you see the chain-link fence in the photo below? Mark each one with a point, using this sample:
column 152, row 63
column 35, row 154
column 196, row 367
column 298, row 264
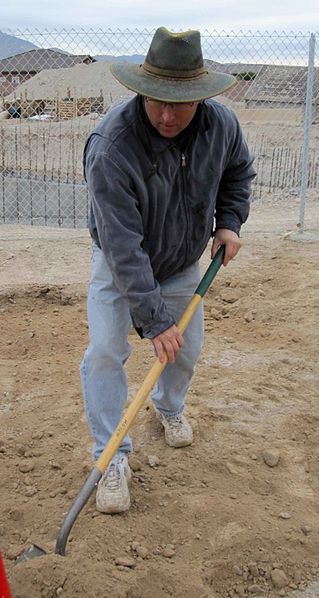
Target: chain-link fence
column 55, row 86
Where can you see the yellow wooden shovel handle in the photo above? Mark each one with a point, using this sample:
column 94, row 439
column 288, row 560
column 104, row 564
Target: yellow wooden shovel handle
column 131, row 412
column 142, row 394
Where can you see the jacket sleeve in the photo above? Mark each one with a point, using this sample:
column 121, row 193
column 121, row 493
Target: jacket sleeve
column 120, row 230
column 232, row 205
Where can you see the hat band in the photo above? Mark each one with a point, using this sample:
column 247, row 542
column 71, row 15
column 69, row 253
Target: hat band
column 175, row 75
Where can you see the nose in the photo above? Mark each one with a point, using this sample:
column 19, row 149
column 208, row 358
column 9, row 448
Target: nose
column 168, row 113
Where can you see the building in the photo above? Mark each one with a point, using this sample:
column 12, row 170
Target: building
column 17, row 69
column 282, row 87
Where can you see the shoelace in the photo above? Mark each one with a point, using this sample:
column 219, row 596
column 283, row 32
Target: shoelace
column 175, row 421
column 112, row 477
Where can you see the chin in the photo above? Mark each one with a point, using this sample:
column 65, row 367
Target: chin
column 169, row 133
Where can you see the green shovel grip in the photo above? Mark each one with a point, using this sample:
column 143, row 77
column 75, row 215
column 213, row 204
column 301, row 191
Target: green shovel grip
column 211, row 271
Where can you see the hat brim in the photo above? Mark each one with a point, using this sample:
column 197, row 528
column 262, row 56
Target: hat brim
column 134, row 77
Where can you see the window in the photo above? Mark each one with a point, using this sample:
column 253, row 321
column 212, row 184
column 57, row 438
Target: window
column 15, row 79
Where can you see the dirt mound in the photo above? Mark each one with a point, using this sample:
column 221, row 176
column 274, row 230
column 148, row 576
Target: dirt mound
column 80, row 81
column 235, row 514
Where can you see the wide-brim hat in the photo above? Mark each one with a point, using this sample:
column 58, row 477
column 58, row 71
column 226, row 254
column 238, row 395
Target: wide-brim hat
column 173, row 70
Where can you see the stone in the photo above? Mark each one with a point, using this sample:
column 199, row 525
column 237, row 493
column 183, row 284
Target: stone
column 142, row 552
column 214, row 313
column 27, row 480
column 37, row 435
column 239, row 590
column 279, row 579
column 271, row 457
column 168, row 552
column 285, row 515
column 26, row 466
column 15, row 514
column 125, row 561
column 55, row 465
column 30, row 491
column 135, row 464
column 153, row 460
column 248, row 317
column 229, row 296
column 256, row 589
column 253, row 569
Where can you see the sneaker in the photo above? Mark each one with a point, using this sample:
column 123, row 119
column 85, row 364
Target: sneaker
column 112, row 494
column 178, row 431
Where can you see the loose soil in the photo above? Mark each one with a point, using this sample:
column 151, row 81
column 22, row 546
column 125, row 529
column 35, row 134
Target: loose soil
column 235, row 514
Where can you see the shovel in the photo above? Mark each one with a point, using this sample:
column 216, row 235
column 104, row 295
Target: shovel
column 127, row 420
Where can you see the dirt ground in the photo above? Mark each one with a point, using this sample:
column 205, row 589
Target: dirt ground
column 235, row 514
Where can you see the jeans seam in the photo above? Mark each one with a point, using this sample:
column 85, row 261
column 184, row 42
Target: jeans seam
column 85, row 393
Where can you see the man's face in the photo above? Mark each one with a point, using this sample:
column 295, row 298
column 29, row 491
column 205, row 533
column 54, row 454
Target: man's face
column 168, row 118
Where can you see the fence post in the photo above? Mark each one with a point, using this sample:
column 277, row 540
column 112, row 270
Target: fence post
column 307, row 128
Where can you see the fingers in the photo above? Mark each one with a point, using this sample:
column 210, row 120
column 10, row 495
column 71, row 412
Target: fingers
column 159, row 349
column 168, row 344
column 231, row 241
column 216, row 245
column 231, row 250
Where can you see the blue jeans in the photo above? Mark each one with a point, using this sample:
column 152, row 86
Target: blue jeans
column 103, row 377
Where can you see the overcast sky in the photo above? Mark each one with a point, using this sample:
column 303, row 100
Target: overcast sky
column 271, row 15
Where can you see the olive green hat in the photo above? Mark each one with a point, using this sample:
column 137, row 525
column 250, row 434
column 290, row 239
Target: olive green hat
column 173, row 70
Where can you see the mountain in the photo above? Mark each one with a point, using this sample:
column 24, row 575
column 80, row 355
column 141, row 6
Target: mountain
column 127, row 58
column 10, row 45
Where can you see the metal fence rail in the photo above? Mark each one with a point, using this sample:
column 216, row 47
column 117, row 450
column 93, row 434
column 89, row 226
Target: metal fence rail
column 55, row 86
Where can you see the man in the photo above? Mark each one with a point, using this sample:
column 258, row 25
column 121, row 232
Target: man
column 166, row 171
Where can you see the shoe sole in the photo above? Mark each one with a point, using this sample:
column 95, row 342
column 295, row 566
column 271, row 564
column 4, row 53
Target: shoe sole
column 180, row 444
column 115, row 509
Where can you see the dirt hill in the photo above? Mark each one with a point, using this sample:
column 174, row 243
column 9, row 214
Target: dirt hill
column 80, row 81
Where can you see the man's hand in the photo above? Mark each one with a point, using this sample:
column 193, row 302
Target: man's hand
column 168, row 342
column 224, row 236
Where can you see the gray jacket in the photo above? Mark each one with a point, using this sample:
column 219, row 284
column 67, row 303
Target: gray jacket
column 155, row 202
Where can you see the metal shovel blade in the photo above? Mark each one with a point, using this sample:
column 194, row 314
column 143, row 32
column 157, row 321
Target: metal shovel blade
column 30, row 553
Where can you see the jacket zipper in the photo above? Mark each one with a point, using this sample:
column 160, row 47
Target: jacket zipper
column 183, row 165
